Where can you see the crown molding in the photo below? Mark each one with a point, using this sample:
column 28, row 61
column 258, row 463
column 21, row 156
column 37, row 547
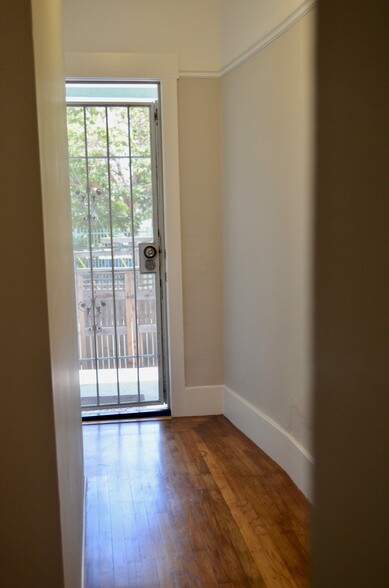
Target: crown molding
column 264, row 41
column 199, row 74
column 283, row 26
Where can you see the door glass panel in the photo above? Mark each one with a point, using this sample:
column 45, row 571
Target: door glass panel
column 118, row 131
column 113, row 210
column 147, row 328
column 76, row 139
column 140, row 131
column 141, row 176
column 96, row 131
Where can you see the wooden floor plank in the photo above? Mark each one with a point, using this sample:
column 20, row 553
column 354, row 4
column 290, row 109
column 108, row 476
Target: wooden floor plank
column 189, row 502
column 278, row 525
column 258, row 541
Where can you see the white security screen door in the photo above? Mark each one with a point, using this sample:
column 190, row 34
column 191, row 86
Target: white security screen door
column 118, row 245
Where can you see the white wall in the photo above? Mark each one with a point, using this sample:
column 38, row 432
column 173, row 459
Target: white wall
column 49, row 74
column 188, row 28
column 40, row 453
column 267, row 145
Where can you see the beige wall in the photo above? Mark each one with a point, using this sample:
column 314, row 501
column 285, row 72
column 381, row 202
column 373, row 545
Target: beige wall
column 244, row 23
column 267, row 160
column 147, row 26
column 350, row 533
column 32, row 496
column 49, row 71
column 199, row 137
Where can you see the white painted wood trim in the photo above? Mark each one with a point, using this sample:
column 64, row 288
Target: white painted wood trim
column 273, row 439
column 134, row 66
column 171, row 186
column 162, row 68
column 204, row 400
column 263, row 42
column 199, row 74
column 83, row 534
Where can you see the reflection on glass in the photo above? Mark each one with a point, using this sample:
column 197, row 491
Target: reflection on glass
column 128, row 380
column 108, row 387
column 149, row 383
column 118, row 131
column 140, row 131
column 121, row 202
column 147, row 336
column 88, row 383
column 96, row 131
column 142, row 197
column 76, row 138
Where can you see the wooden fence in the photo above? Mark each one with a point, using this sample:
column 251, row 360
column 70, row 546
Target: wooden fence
column 117, row 303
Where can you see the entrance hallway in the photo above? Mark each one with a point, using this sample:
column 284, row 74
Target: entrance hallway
column 189, row 502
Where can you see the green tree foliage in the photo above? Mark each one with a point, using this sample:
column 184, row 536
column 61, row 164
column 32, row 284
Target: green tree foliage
column 110, row 170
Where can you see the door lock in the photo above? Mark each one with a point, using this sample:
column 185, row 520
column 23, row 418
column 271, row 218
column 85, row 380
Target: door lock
column 148, row 258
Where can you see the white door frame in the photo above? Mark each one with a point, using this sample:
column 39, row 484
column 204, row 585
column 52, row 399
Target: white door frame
column 164, row 69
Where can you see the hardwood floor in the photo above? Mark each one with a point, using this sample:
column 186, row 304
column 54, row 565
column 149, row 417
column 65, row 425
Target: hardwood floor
column 189, row 502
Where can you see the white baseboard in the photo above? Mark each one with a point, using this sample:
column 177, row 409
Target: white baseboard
column 204, row 400
column 273, row 439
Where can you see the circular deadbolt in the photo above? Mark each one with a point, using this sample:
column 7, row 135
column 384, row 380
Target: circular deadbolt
column 150, row 252
column 150, row 265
